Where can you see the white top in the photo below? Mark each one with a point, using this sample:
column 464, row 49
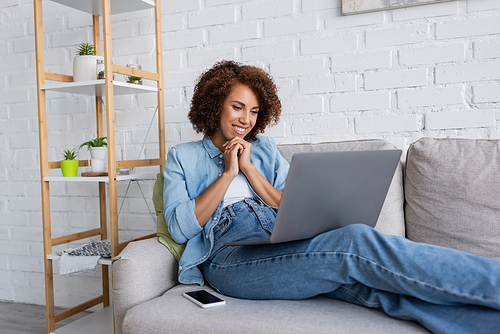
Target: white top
column 238, row 190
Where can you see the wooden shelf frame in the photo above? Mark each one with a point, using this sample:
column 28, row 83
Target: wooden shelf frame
column 101, row 88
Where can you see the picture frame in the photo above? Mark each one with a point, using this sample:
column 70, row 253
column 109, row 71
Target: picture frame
column 350, row 7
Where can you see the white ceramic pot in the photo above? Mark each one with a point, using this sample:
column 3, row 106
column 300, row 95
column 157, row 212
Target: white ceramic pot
column 98, row 159
column 84, row 68
column 98, row 153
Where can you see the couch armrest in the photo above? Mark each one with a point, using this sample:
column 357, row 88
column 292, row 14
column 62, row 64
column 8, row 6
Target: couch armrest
column 144, row 270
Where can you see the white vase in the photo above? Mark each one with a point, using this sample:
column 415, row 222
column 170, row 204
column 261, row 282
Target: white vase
column 98, row 159
column 84, row 68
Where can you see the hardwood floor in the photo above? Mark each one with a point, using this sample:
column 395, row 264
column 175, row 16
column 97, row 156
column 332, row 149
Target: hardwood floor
column 28, row 319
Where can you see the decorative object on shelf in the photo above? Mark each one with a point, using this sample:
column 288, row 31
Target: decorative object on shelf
column 92, row 174
column 100, row 68
column 85, row 62
column 69, row 166
column 133, row 79
column 124, row 170
column 97, row 148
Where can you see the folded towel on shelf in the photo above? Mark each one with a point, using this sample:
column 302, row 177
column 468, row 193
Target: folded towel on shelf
column 72, row 265
column 83, row 259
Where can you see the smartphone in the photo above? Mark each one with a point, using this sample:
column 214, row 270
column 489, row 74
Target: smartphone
column 204, row 298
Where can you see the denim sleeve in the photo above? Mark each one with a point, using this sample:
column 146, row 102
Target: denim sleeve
column 178, row 207
column 281, row 167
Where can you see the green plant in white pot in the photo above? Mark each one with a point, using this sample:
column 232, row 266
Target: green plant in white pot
column 97, row 148
column 69, row 166
column 84, row 63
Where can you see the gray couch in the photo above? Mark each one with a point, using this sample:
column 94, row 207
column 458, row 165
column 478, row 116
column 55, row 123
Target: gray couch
column 450, row 197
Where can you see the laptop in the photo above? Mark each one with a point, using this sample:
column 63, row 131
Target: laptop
column 330, row 190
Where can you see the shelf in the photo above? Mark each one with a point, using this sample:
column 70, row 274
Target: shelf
column 96, row 88
column 104, row 93
column 94, row 7
column 102, row 260
column 99, row 322
column 133, row 176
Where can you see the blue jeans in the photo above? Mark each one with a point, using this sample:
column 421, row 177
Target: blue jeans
column 445, row 290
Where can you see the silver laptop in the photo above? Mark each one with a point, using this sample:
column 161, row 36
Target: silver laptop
column 329, row 190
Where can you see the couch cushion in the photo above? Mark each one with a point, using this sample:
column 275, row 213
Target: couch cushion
column 161, row 225
column 452, row 189
column 391, row 219
column 172, row 313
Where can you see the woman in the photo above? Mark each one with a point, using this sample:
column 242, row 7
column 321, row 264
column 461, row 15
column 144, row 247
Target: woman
column 227, row 187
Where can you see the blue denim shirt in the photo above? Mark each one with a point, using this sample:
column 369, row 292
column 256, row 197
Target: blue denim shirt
column 189, row 170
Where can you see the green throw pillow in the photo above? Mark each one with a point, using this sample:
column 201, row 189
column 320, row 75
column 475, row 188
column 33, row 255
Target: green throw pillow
column 161, row 225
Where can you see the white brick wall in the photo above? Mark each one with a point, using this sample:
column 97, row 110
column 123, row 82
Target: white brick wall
column 469, row 72
column 432, row 54
column 361, row 101
column 328, row 45
column 429, row 97
column 460, row 119
column 278, row 8
column 430, row 70
column 290, row 25
column 212, row 17
column 361, row 61
column 268, row 51
column 468, row 27
column 489, row 93
column 386, row 123
column 243, row 32
column 297, row 68
column 395, row 79
column 398, row 36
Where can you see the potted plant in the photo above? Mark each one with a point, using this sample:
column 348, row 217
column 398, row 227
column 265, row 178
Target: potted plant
column 97, row 148
column 69, row 166
column 100, row 69
column 84, row 63
column 133, row 79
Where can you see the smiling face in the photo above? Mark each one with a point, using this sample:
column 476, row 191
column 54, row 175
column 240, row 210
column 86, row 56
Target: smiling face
column 238, row 116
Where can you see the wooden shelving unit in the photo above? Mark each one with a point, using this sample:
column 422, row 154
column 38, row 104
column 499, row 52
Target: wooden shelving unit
column 107, row 88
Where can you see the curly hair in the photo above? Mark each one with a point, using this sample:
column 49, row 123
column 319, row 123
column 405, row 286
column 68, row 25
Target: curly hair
column 215, row 85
